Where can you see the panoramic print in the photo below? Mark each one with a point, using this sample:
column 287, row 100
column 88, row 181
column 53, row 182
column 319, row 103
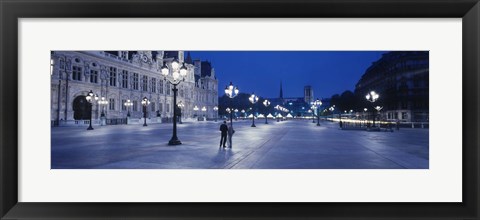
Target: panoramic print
column 239, row 109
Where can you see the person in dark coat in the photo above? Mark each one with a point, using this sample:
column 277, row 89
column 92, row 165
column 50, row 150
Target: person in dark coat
column 224, row 130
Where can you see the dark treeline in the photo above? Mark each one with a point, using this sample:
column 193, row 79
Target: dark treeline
column 352, row 101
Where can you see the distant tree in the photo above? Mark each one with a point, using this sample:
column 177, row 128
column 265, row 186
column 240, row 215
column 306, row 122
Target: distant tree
column 335, row 100
column 348, row 100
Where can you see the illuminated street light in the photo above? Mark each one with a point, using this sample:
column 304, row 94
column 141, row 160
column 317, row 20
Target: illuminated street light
column 128, row 104
column 372, row 96
column 145, row 103
column 266, row 103
column 195, row 108
column 103, row 102
column 180, row 106
column 317, row 105
column 231, row 92
column 215, row 109
column 204, row 109
column 331, row 109
column 177, row 76
column 253, row 99
column 91, row 98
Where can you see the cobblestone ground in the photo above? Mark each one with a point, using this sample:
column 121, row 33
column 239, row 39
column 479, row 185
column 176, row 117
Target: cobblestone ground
column 277, row 145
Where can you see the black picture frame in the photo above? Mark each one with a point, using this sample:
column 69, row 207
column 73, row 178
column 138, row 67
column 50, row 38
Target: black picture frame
column 12, row 10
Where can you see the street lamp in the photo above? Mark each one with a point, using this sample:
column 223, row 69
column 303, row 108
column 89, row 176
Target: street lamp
column 317, row 103
column 236, row 111
column 231, row 92
column 365, row 111
column 145, row 103
column 378, row 108
column 180, row 106
column 243, row 113
column 253, row 99
column 178, row 75
column 195, row 108
column 279, row 112
column 372, row 96
column 332, row 108
column 91, row 98
column 215, row 109
column 266, row 103
column 103, row 102
column 313, row 112
column 128, row 104
column 204, row 109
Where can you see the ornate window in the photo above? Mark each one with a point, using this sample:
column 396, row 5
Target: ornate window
column 93, row 76
column 168, row 88
column 153, row 85
column 124, row 79
column 111, row 104
column 135, row 105
column 124, row 108
column 152, row 106
column 113, row 76
column 135, row 81
column 160, row 87
column 76, row 73
column 145, row 83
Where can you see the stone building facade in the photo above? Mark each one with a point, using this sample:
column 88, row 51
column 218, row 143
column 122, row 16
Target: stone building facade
column 118, row 76
column 402, row 80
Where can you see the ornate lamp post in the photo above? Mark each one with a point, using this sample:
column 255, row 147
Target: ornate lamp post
column 372, row 96
column 365, row 118
column 236, row 116
column 266, row 103
column 253, row 99
column 204, row 109
column 378, row 108
column 231, row 92
column 317, row 103
column 145, row 103
column 331, row 109
column 243, row 112
column 195, row 108
column 103, row 102
column 91, row 98
column 215, row 109
column 180, row 106
column 178, row 76
column 278, row 108
column 313, row 112
column 128, row 104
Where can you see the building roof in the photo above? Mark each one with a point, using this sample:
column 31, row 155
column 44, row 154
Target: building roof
column 206, row 69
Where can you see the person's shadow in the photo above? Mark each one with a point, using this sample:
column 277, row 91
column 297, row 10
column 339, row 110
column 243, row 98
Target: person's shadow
column 223, row 155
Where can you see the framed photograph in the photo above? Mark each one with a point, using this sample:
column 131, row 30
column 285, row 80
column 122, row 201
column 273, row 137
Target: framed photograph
column 248, row 110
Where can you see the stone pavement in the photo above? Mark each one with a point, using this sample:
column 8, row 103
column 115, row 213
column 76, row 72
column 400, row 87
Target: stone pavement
column 277, row 145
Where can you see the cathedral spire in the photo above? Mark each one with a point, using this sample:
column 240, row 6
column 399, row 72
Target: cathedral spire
column 281, row 90
column 189, row 58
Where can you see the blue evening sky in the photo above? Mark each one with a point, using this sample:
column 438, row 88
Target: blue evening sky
column 328, row 72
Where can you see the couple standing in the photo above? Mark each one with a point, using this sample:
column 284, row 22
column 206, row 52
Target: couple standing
column 226, row 130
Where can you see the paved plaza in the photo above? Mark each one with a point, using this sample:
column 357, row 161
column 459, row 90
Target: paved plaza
column 293, row 144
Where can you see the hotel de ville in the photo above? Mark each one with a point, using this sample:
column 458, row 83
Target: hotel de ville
column 120, row 80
